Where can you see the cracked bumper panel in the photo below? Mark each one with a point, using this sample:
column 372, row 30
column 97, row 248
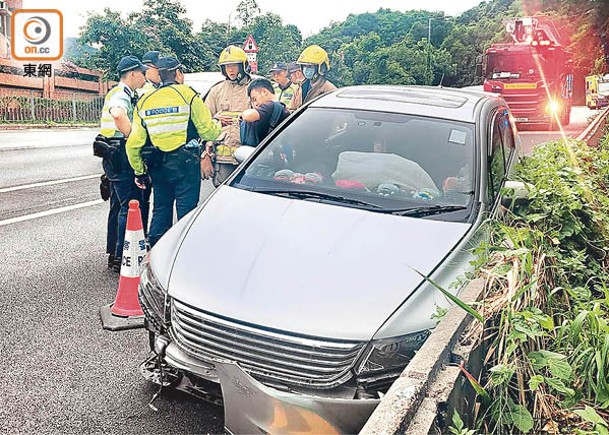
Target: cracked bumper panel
column 179, row 359
column 251, row 407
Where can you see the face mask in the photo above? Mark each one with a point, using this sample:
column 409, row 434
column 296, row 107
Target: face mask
column 308, row 72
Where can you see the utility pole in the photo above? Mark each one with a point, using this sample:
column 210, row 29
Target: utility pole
column 228, row 41
column 429, row 68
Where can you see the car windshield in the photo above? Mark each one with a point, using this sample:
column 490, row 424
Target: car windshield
column 382, row 162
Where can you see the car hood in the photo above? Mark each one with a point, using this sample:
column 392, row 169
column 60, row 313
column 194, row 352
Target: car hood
column 309, row 268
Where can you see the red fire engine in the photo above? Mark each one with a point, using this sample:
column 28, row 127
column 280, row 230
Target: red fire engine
column 533, row 73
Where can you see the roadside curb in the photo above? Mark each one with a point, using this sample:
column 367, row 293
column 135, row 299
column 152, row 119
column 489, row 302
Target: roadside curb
column 429, row 377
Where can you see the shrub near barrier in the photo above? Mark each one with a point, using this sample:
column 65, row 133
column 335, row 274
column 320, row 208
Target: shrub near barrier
column 547, row 358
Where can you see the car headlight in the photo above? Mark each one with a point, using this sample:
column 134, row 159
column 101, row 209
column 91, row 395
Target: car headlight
column 385, row 359
column 153, row 299
column 553, row 107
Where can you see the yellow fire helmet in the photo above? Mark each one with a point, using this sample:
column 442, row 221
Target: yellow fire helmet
column 314, row 54
column 233, row 54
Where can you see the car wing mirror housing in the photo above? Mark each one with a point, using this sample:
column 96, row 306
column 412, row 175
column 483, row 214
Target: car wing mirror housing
column 514, row 192
column 243, row 152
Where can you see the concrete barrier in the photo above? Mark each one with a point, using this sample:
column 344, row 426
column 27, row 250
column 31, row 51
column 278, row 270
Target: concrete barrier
column 411, row 404
column 417, row 401
column 597, row 129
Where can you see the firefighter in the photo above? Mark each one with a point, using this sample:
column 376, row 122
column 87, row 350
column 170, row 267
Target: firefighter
column 116, row 118
column 315, row 64
column 226, row 100
column 164, row 146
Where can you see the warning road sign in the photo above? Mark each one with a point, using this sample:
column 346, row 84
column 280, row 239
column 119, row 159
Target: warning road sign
column 250, row 45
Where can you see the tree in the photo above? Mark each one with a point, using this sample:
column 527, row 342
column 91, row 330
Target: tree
column 171, row 33
column 247, row 10
column 160, row 25
column 115, row 37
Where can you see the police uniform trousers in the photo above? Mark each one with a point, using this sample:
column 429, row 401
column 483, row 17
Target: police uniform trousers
column 122, row 190
column 175, row 180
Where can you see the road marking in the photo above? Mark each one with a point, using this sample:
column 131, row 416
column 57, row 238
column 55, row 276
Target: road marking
column 49, row 212
column 48, row 183
column 26, row 147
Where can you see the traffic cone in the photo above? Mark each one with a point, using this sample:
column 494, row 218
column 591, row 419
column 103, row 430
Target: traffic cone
column 125, row 312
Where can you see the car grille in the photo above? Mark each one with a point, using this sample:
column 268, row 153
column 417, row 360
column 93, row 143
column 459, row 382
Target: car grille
column 271, row 357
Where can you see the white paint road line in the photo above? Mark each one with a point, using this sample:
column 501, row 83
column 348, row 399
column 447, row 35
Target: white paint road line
column 48, row 183
column 49, row 212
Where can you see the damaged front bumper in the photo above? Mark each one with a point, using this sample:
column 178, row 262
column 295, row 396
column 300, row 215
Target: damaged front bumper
column 252, row 407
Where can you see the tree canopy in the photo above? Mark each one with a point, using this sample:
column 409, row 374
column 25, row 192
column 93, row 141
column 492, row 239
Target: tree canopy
column 386, row 46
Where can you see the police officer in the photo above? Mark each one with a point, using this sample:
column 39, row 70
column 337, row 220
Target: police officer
column 116, row 117
column 153, row 79
column 315, row 64
column 164, row 144
column 284, row 88
column 226, row 100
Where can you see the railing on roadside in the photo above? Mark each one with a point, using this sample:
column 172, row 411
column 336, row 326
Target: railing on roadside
column 31, row 108
column 596, row 130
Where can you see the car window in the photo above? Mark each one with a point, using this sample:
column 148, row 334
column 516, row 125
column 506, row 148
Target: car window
column 388, row 158
column 502, row 146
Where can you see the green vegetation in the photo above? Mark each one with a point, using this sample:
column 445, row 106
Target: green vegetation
column 547, row 306
column 382, row 47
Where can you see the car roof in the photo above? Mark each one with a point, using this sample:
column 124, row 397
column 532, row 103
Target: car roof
column 203, row 81
column 446, row 103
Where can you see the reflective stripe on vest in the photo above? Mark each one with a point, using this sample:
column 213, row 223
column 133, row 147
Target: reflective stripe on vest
column 166, row 117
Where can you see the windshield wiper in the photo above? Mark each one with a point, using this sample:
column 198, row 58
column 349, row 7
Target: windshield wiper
column 424, row 210
column 312, row 194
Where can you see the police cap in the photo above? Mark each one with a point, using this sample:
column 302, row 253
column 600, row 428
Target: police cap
column 293, row 66
column 279, row 66
column 168, row 63
column 151, row 58
column 130, row 63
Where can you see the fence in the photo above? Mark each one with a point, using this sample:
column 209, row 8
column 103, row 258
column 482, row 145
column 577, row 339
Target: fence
column 34, row 109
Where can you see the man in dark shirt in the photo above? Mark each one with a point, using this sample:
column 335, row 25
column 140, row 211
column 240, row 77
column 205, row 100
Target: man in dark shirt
column 265, row 105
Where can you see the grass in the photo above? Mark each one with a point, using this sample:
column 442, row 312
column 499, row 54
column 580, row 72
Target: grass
column 546, row 313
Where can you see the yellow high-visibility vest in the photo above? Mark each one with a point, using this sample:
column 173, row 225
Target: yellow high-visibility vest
column 119, row 96
column 169, row 117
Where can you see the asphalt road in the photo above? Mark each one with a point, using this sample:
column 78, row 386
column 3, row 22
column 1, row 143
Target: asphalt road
column 62, row 372
column 531, row 136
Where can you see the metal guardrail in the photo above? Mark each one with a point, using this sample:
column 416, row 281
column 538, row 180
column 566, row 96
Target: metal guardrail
column 597, row 129
column 414, row 403
column 31, row 109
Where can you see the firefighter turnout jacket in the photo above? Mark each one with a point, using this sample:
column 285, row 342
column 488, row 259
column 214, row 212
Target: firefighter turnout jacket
column 318, row 87
column 167, row 119
column 230, row 99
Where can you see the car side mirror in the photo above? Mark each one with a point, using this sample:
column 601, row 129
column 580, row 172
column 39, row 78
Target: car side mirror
column 514, row 192
column 243, row 152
